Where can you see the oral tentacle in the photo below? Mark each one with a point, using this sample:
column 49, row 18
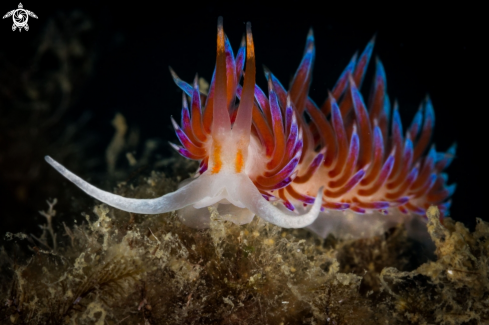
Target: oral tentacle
column 254, row 201
column 187, row 195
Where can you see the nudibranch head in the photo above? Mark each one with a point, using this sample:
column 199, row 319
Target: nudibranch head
column 275, row 155
column 217, row 130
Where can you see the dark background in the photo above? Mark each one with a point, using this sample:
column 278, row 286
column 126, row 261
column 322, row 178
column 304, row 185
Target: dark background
column 436, row 51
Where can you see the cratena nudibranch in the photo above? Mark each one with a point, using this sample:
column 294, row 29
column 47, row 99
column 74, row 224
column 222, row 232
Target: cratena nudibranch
column 274, row 156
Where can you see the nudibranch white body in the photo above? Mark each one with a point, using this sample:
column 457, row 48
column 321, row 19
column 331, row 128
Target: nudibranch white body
column 275, row 156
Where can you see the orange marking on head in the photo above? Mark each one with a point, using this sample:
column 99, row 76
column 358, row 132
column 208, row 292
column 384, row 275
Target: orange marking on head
column 217, row 158
column 239, row 161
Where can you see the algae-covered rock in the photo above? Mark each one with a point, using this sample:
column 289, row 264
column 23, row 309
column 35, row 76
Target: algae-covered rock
column 454, row 289
column 160, row 271
column 121, row 268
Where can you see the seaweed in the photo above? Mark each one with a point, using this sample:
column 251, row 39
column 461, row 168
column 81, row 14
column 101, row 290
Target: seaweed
column 454, row 289
column 122, row 268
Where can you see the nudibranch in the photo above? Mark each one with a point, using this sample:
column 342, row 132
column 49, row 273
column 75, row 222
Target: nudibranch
column 274, row 156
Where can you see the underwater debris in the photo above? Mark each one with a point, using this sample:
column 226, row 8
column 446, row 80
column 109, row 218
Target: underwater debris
column 123, row 268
